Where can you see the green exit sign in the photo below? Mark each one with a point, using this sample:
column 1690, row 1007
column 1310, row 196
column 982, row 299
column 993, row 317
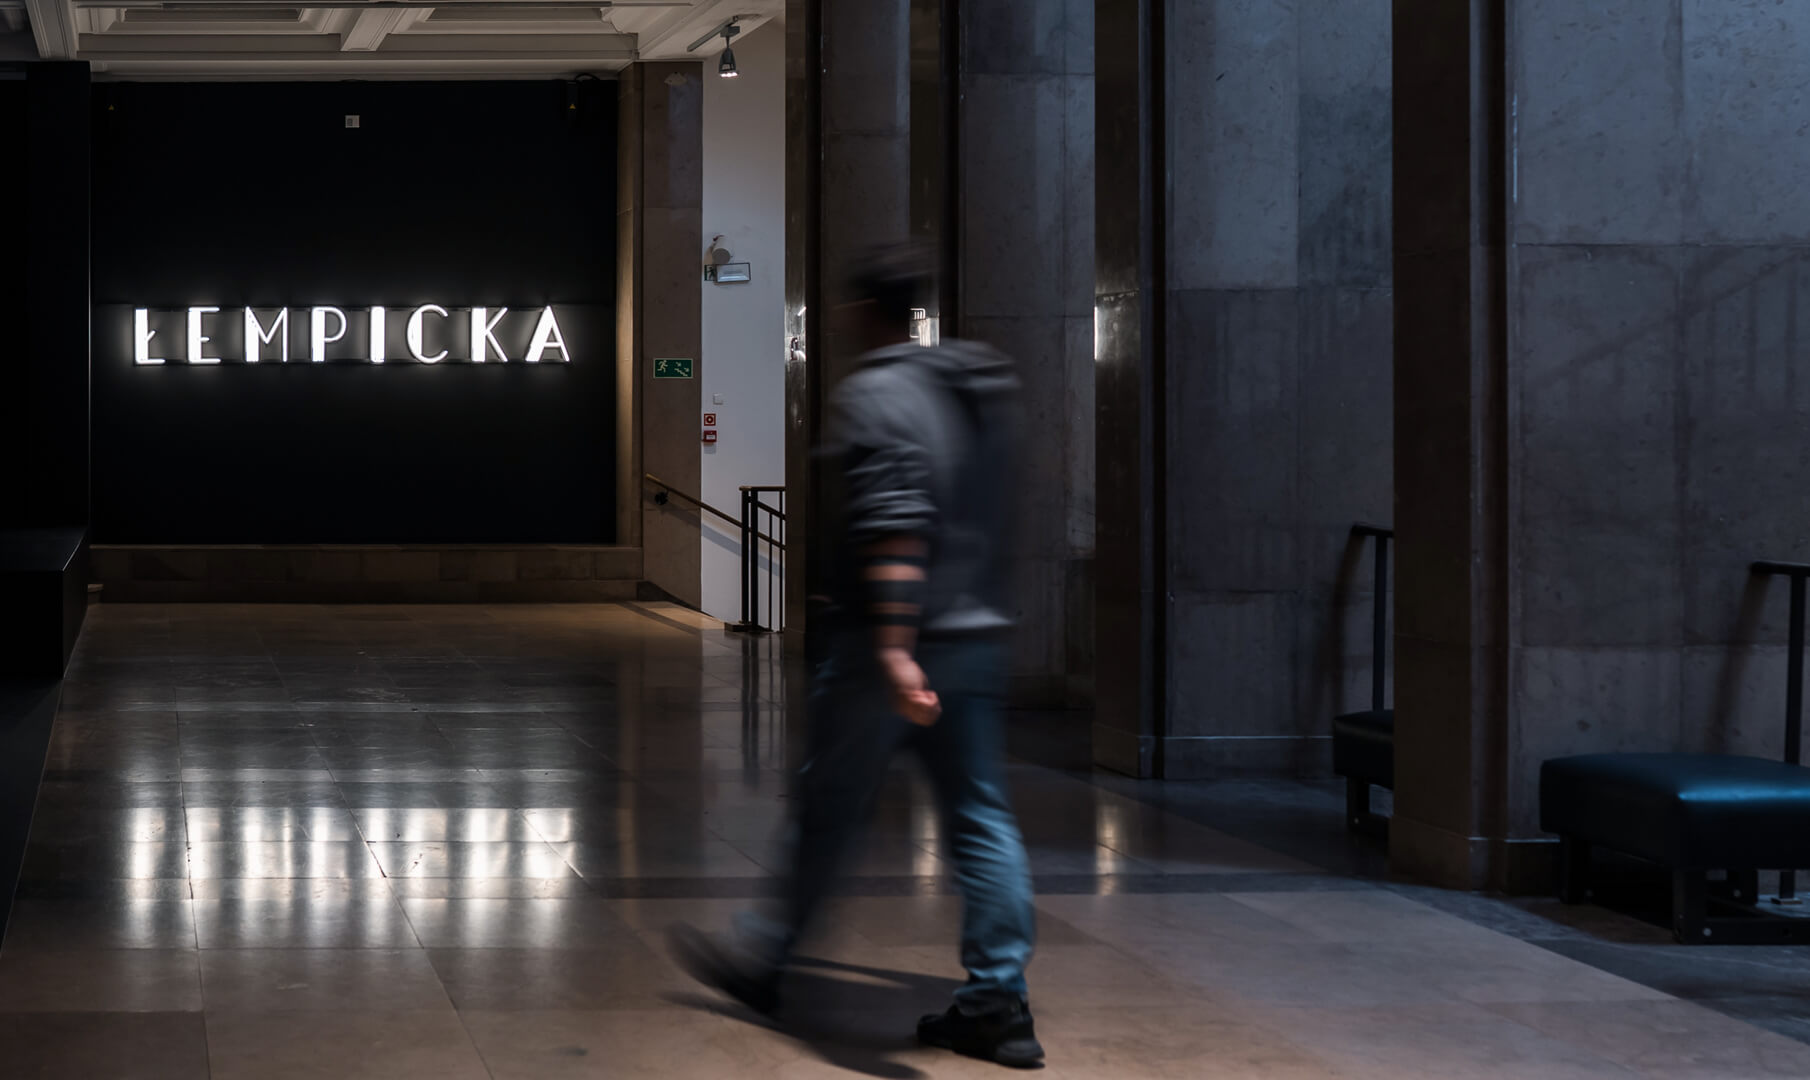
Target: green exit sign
column 673, row 367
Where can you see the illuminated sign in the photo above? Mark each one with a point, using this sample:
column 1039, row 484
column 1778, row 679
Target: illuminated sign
column 360, row 336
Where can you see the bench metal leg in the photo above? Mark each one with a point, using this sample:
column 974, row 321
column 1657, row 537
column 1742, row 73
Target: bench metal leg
column 1740, row 887
column 1574, row 870
column 1690, row 907
column 1358, row 818
column 1357, row 803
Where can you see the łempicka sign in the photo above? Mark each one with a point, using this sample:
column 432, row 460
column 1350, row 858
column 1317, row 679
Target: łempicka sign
column 429, row 334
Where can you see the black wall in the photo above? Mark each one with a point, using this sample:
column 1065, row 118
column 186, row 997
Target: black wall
column 460, row 194
column 44, row 297
column 14, row 370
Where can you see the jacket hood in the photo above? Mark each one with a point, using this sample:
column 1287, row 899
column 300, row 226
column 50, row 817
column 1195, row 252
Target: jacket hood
column 969, row 368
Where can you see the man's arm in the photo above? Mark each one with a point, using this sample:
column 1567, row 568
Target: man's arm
column 890, row 519
column 896, row 572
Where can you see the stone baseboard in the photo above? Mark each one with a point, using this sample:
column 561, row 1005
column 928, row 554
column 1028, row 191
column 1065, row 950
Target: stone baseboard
column 1213, row 757
column 1518, row 867
column 367, row 573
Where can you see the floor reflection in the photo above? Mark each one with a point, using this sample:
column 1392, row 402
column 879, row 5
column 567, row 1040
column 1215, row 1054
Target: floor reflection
column 292, row 834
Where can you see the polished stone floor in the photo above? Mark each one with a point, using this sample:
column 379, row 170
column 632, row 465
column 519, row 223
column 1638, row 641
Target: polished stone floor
column 397, row 843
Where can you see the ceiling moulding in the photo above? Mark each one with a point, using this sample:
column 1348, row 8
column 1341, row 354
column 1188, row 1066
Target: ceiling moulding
column 365, row 31
column 667, row 38
column 170, row 48
column 53, row 28
column 515, row 19
column 152, row 23
column 363, row 65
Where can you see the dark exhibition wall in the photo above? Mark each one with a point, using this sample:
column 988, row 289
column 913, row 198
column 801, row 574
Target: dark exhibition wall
column 444, row 199
column 12, row 301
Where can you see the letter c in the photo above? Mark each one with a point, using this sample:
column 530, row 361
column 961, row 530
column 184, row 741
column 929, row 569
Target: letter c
column 414, row 333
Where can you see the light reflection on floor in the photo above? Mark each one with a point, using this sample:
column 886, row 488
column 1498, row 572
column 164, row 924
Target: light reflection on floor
column 400, row 842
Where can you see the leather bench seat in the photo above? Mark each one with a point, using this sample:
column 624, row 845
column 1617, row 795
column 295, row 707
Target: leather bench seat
column 1687, row 811
column 1363, row 746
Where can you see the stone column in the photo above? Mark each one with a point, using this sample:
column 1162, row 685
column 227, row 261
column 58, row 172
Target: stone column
column 1026, row 280
column 864, row 195
column 659, row 264
column 1451, row 453
column 848, row 186
column 1598, row 375
column 1130, row 285
column 1243, row 415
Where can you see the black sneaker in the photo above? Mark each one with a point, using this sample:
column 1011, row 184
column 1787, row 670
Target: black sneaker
column 1006, row 1036
column 717, row 965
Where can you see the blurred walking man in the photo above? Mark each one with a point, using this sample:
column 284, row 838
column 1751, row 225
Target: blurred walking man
column 921, row 446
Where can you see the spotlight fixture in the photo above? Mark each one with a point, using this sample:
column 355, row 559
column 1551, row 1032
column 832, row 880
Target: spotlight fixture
column 726, row 30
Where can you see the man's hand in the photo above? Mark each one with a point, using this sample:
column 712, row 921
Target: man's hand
column 911, row 693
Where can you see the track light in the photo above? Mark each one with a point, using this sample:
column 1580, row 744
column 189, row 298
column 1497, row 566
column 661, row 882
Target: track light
column 727, row 31
column 726, row 66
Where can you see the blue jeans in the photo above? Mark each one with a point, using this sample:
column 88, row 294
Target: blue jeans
column 854, row 735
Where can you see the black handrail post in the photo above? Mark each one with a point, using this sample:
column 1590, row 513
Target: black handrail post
column 1799, row 574
column 1794, row 709
column 747, row 567
column 1794, row 674
column 1379, row 619
column 782, row 561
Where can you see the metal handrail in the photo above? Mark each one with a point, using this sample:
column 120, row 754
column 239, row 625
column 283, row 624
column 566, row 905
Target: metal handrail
column 761, row 489
column 1794, row 662
column 752, row 508
column 702, row 505
column 1379, row 617
column 1794, row 682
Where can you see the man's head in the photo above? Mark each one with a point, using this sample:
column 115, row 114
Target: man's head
column 885, row 284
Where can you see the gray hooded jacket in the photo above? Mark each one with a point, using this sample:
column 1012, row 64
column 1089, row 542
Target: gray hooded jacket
column 922, row 443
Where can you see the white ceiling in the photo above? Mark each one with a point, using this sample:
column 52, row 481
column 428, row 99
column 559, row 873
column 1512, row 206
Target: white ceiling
column 366, row 39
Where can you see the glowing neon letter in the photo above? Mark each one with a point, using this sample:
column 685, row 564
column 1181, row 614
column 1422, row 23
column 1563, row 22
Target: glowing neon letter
column 414, row 333
column 141, row 338
column 317, row 337
column 483, row 325
column 198, row 340
column 377, row 332
column 256, row 335
column 546, row 336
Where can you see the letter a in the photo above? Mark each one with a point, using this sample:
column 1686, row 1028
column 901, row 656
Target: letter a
column 546, row 336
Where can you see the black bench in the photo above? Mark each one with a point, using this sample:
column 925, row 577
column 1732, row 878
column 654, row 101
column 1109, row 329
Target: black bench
column 1714, row 820
column 27, row 708
column 43, row 599
column 1363, row 743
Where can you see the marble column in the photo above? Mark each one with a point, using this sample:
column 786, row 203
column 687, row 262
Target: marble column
column 864, row 194
column 1451, row 467
column 1602, row 417
column 1025, row 274
column 1243, row 370
column 659, row 314
column 848, row 187
column 804, row 394
column 1131, row 497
